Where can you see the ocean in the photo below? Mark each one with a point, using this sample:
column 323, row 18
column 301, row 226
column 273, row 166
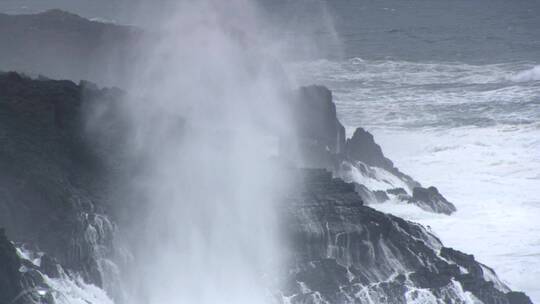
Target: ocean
column 451, row 91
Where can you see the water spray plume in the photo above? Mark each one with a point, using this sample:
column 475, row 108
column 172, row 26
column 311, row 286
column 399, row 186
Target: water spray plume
column 203, row 110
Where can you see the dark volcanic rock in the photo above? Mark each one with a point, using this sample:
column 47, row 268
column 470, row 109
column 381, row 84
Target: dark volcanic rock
column 380, row 196
column 362, row 147
column 340, row 250
column 370, row 196
column 431, row 200
column 50, row 186
column 424, row 278
column 317, row 119
column 473, row 280
column 397, row 191
column 49, row 266
column 320, row 133
column 344, row 252
column 466, row 260
column 21, row 281
column 10, row 277
column 321, row 140
column 518, row 298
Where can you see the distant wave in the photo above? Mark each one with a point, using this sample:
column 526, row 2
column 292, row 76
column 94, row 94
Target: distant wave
column 103, row 20
column 527, row 75
column 396, row 93
column 398, row 72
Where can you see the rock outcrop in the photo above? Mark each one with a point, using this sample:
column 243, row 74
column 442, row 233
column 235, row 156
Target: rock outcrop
column 358, row 160
column 50, row 193
column 67, row 46
column 31, row 277
column 10, row 277
column 321, row 135
column 340, row 250
column 362, row 147
column 22, row 278
column 430, row 199
column 344, row 252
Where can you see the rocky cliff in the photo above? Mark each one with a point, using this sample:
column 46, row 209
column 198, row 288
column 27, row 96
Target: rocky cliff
column 55, row 210
column 67, row 46
column 50, row 195
column 345, row 252
column 359, row 159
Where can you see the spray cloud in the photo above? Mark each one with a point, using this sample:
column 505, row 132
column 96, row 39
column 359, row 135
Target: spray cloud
column 205, row 105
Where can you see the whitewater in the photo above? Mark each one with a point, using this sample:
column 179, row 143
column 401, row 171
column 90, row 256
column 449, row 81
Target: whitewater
column 471, row 130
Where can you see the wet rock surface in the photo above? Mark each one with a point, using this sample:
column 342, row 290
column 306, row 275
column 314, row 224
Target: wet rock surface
column 49, row 186
column 362, row 147
column 320, row 134
column 359, row 159
column 430, row 199
column 21, row 280
column 10, row 277
column 345, row 252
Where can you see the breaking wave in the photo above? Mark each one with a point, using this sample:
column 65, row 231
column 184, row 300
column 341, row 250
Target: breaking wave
column 527, row 75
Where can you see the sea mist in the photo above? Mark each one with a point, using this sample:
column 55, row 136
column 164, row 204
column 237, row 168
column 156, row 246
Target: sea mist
column 206, row 106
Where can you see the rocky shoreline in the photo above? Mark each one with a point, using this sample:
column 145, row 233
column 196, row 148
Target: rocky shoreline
column 62, row 227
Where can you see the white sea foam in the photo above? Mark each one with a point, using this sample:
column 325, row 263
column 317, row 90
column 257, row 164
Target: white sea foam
column 527, row 75
column 31, row 256
column 67, row 288
column 73, row 290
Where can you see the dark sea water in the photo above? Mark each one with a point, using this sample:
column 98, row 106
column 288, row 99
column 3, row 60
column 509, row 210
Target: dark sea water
column 478, row 32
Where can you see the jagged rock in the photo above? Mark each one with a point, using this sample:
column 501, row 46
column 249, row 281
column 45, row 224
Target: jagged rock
column 343, row 252
column 19, row 278
column 518, row 298
column 324, row 275
column 322, row 144
column 368, row 195
column 381, row 196
column 397, row 191
column 49, row 266
column 400, row 194
column 317, row 119
column 50, row 180
column 22, row 278
column 10, row 277
column 362, row 147
column 431, row 200
column 424, row 278
column 466, row 260
column 320, row 134
column 474, row 280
